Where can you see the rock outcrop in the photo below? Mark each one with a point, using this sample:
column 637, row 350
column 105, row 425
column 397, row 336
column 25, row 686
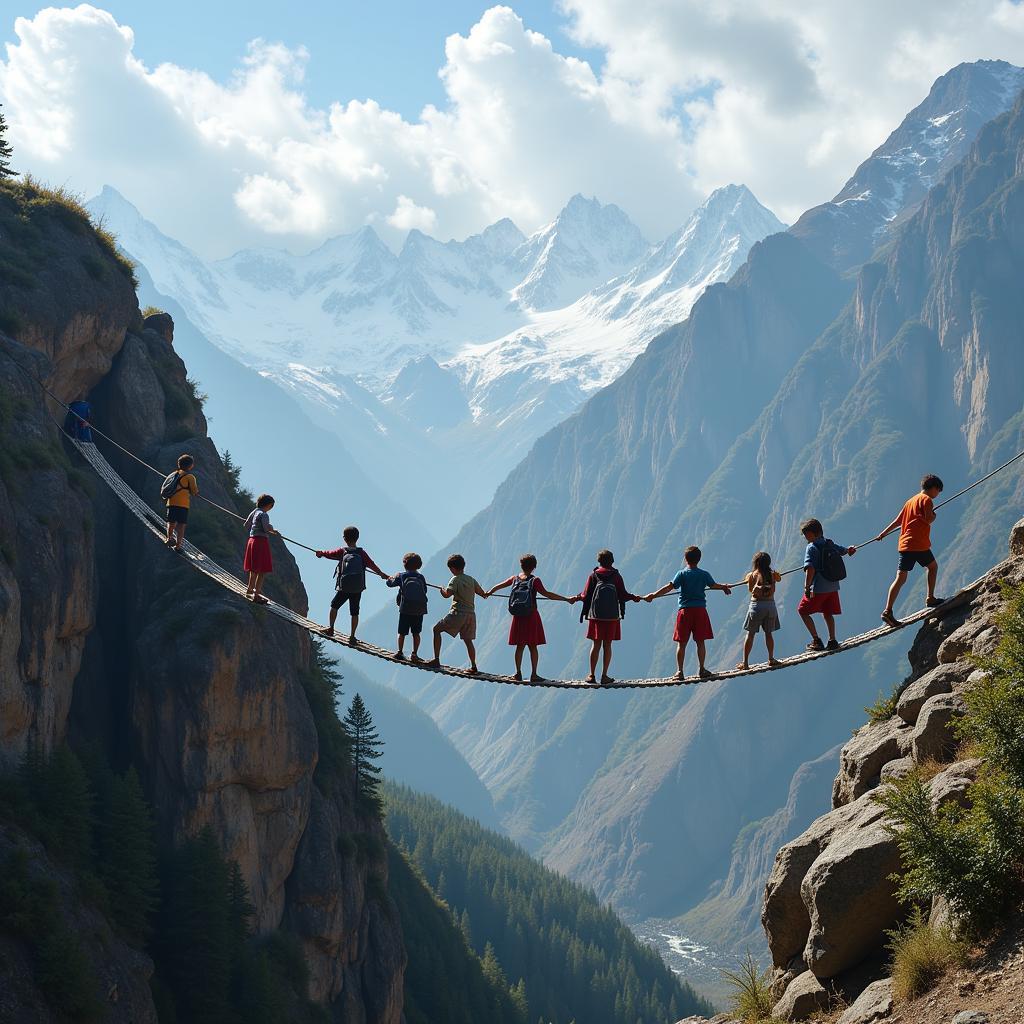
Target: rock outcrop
column 831, row 897
column 106, row 638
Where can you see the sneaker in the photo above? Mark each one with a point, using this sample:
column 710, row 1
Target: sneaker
column 415, row 659
column 833, row 645
column 399, row 656
column 433, row 663
column 935, row 602
column 816, row 645
column 518, row 677
column 706, row 673
column 606, row 680
column 890, row 620
column 537, row 679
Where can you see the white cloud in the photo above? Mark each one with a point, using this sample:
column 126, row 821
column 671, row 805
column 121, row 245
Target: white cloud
column 407, row 215
column 781, row 95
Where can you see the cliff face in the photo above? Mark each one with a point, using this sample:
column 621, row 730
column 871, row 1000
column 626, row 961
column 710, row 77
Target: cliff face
column 830, row 898
column 106, row 638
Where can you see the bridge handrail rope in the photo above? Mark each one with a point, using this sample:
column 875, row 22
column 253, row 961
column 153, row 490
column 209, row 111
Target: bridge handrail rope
column 38, row 380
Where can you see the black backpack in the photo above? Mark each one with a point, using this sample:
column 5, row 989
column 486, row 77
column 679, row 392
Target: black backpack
column 604, row 599
column 833, row 568
column 351, row 572
column 412, row 595
column 171, row 485
column 522, row 598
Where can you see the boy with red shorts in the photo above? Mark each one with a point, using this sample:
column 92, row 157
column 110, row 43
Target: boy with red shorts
column 692, row 618
column 821, row 591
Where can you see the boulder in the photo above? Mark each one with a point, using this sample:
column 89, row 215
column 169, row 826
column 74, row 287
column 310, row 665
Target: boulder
column 971, row 1017
column 1017, row 538
column 863, row 757
column 941, row 679
column 804, row 996
column 162, row 323
column 932, row 736
column 977, row 635
column 872, row 1005
column 898, row 768
column 953, row 783
column 849, row 894
column 784, row 915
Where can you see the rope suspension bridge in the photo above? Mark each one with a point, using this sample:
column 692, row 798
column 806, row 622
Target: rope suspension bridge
column 202, row 563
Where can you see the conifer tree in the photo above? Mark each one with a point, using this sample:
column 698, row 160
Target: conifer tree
column 367, row 748
column 6, row 170
column 127, row 848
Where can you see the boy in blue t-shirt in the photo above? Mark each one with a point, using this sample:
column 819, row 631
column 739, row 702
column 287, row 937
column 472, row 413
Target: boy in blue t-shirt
column 692, row 618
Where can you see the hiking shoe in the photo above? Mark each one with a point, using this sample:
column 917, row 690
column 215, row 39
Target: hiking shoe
column 815, row 645
column 415, row 659
column 537, row 679
column 833, row 645
column 399, row 656
column 890, row 620
column 433, row 663
column 605, row 680
column 326, row 631
column 590, row 680
column 518, row 677
column 706, row 673
column 935, row 602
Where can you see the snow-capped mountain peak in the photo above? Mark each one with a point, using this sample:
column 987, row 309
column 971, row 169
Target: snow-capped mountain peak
column 587, row 243
column 892, row 182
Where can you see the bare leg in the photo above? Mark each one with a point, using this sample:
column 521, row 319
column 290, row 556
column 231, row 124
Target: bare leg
column 170, row 534
column 519, row 660
column 250, row 587
column 401, row 643
column 830, row 624
column 701, row 653
column 809, row 623
column 437, row 643
column 897, row 585
column 595, row 650
column 415, row 645
column 933, row 575
column 680, row 658
column 607, row 645
column 534, row 659
column 331, row 621
column 355, row 626
column 748, row 646
column 181, row 534
column 769, row 642
column 258, row 588
column 471, row 651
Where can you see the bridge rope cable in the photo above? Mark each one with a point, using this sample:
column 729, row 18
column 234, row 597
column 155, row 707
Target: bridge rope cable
column 787, row 572
column 202, row 563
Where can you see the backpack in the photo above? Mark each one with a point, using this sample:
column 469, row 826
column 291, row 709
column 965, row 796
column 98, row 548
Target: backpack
column 351, row 572
column 412, row 595
column 833, row 568
column 604, row 599
column 522, row 598
column 171, row 485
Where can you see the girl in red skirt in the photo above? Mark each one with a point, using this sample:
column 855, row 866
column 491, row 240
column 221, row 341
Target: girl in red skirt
column 257, row 561
column 604, row 604
column 526, row 628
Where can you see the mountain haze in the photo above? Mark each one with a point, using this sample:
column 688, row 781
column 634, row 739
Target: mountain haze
column 790, row 390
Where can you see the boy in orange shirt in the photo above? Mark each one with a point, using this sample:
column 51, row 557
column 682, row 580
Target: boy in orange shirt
column 915, row 546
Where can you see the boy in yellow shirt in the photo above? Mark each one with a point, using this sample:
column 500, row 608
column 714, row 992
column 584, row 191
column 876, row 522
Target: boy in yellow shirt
column 179, row 501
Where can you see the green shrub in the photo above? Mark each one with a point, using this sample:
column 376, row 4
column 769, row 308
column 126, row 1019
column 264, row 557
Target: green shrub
column 921, row 955
column 883, row 708
column 973, row 856
column 750, row 996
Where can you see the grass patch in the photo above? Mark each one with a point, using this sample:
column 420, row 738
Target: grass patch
column 883, row 708
column 750, row 996
column 150, row 311
column 921, row 955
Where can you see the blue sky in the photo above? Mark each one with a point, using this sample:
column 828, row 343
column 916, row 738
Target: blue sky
column 387, row 50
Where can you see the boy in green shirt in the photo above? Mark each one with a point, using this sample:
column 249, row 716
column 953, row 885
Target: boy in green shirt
column 461, row 619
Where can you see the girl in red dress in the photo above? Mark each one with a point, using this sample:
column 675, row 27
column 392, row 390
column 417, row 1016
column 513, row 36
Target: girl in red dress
column 526, row 628
column 604, row 610
column 258, row 562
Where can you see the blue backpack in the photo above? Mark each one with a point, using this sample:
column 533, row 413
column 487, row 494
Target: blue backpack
column 522, row 599
column 833, row 568
column 412, row 595
column 351, row 573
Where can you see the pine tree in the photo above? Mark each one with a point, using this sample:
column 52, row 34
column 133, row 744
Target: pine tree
column 240, row 910
column 5, row 150
column 127, row 847
column 367, row 748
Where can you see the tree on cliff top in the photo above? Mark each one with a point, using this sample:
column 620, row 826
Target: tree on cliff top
column 6, row 171
column 367, row 748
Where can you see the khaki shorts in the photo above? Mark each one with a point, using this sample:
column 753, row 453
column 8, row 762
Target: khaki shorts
column 460, row 624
